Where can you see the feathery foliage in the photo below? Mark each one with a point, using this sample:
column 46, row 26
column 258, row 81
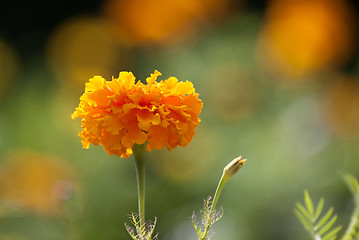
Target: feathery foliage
column 352, row 232
column 143, row 232
column 320, row 228
column 208, row 217
column 353, row 185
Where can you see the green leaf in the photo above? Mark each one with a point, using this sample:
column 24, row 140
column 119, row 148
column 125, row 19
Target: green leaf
column 152, row 228
column 328, row 225
column 332, row 233
column 326, row 217
column 304, row 211
column 306, row 224
column 333, row 238
column 194, row 226
column 352, row 183
column 309, row 215
column 319, row 209
column 308, row 203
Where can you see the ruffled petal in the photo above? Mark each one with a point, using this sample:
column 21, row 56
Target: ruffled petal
column 146, row 119
column 157, row 137
column 113, row 124
column 95, row 83
column 153, row 77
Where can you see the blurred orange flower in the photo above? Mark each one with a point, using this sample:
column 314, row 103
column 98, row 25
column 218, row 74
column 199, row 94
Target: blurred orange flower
column 120, row 113
column 162, row 21
column 302, row 37
column 36, row 182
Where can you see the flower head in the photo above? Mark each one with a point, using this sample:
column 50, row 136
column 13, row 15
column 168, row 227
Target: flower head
column 120, row 113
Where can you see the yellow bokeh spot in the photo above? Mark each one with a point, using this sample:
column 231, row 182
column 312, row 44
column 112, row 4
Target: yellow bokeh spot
column 237, row 97
column 80, row 48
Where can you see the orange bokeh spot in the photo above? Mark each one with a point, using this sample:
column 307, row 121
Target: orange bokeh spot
column 161, row 21
column 36, row 182
column 302, row 37
column 342, row 107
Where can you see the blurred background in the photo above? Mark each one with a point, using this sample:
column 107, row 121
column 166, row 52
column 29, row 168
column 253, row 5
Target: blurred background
column 280, row 85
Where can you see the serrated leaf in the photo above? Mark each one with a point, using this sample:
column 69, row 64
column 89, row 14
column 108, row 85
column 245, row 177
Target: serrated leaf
column 328, row 225
column 303, row 211
column 306, row 224
column 325, row 218
column 332, row 233
column 319, row 209
column 308, row 203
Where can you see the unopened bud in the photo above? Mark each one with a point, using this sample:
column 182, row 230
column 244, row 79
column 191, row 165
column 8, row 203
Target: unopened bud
column 234, row 166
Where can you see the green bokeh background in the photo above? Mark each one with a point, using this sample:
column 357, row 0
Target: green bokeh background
column 276, row 124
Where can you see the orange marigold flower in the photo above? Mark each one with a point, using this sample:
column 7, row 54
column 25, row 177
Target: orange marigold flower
column 120, row 113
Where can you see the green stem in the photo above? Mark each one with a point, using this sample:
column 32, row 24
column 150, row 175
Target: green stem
column 351, row 231
column 139, row 154
column 220, row 186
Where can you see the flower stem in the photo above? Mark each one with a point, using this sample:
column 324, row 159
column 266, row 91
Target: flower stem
column 220, row 186
column 139, row 154
column 228, row 172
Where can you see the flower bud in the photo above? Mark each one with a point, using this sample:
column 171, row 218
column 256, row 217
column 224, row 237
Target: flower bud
column 234, row 166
